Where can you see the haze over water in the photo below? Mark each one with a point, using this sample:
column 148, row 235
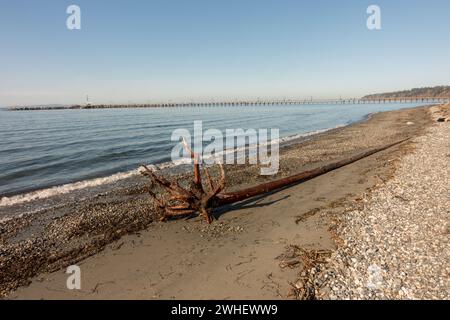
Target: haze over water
column 41, row 149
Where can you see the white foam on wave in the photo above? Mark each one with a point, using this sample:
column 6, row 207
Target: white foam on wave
column 66, row 188
column 307, row 134
column 70, row 187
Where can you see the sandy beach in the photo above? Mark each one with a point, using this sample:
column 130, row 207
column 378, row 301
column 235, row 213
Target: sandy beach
column 278, row 246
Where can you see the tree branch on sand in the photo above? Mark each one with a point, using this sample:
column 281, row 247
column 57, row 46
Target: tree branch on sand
column 202, row 200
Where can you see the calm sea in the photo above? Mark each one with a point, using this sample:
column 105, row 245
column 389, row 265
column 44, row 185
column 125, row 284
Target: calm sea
column 42, row 149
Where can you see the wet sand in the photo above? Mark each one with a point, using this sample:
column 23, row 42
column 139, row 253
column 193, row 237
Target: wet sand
column 238, row 256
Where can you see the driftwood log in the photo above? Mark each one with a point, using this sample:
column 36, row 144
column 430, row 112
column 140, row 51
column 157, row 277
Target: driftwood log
column 203, row 199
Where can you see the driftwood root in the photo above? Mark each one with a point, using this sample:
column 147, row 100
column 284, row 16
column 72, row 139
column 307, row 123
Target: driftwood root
column 202, row 200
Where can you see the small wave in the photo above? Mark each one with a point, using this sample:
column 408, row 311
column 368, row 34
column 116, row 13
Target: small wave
column 66, row 188
column 307, row 134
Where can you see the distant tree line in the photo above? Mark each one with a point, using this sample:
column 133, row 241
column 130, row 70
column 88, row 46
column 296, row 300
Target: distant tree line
column 426, row 92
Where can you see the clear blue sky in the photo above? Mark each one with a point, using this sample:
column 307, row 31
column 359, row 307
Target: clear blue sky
column 143, row 51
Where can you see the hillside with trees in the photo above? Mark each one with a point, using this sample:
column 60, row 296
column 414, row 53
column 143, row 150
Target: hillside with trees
column 426, row 92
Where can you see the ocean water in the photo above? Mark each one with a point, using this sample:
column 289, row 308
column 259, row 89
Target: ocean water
column 81, row 148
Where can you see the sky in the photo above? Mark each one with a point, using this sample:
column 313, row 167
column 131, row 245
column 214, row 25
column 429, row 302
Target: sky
column 202, row 50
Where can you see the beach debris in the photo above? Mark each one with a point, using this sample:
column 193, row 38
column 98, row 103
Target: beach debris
column 441, row 119
column 306, row 215
column 183, row 202
column 310, row 261
column 202, row 200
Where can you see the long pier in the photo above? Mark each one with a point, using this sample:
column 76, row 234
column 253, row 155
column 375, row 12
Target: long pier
column 238, row 103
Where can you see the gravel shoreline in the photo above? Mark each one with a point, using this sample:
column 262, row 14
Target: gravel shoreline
column 395, row 243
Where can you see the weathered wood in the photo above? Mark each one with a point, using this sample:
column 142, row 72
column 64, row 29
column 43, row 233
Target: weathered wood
column 232, row 197
column 184, row 202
